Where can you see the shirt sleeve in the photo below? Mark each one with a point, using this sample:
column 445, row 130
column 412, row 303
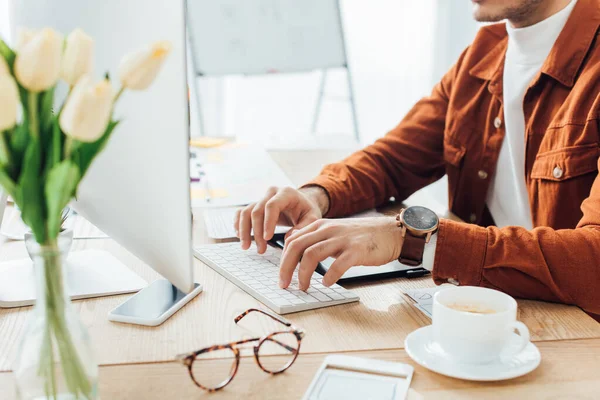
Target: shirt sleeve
column 540, row 264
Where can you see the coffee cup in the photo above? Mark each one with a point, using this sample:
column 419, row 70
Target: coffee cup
column 475, row 325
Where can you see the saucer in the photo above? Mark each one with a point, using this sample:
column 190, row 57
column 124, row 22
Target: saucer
column 424, row 351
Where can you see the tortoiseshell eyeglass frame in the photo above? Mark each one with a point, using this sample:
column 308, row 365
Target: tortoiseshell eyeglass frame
column 188, row 359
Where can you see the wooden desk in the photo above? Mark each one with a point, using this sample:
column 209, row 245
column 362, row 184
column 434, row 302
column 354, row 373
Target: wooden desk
column 380, row 321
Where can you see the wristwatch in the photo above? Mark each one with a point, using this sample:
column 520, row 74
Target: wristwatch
column 418, row 224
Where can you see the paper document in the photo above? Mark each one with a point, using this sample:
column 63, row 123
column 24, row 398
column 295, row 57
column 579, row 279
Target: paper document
column 219, row 221
column 424, row 297
column 233, row 175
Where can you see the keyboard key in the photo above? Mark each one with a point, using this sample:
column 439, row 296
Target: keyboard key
column 281, row 302
column 308, row 298
column 259, row 275
column 321, row 296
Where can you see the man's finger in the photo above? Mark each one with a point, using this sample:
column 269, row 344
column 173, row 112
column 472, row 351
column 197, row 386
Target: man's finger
column 246, row 226
column 292, row 253
column 312, row 227
column 273, row 209
column 257, row 216
column 236, row 222
column 338, row 268
column 313, row 256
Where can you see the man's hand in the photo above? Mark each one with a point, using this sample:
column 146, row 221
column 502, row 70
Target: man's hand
column 359, row 241
column 280, row 206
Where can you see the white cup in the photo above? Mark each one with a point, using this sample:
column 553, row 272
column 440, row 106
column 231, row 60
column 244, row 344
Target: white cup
column 476, row 337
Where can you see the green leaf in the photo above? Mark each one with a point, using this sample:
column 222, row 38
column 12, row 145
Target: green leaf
column 7, row 53
column 55, row 148
column 18, row 144
column 29, row 191
column 7, row 183
column 60, row 188
column 46, row 108
column 86, row 152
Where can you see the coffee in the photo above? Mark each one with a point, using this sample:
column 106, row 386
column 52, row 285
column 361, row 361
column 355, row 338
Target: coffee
column 471, row 308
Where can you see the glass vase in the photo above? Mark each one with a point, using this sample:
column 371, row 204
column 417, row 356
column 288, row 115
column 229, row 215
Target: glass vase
column 55, row 359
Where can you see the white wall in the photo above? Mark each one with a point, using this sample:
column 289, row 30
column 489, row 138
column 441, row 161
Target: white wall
column 397, row 50
column 4, row 27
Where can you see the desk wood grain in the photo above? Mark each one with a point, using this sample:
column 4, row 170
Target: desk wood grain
column 568, row 371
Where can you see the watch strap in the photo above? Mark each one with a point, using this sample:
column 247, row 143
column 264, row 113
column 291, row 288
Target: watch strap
column 412, row 250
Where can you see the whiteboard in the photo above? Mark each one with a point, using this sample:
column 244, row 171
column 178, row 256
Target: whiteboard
column 263, row 36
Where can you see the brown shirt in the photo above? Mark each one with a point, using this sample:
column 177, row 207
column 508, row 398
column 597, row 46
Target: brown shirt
column 458, row 131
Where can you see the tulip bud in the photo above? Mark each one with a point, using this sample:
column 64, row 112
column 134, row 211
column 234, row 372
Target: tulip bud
column 78, row 59
column 87, row 111
column 24, row 36
column 37, row 65
column 139, row 69
column 9, row 101
column 3, row 66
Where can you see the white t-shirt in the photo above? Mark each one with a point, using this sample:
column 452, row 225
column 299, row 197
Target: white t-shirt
column 527, row 50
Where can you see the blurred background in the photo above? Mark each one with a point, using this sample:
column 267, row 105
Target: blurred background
column 396, row 51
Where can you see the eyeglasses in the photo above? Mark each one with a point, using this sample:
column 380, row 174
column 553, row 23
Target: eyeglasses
column 212, row 368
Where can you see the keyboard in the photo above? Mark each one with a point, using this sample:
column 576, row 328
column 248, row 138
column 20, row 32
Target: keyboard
column 258, row 275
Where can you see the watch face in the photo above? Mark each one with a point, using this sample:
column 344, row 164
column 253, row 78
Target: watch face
column 420, row 218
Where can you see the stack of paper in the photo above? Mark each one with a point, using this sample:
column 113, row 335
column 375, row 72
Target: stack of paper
column 233, row 175
column 14, row 228
column 219, row 221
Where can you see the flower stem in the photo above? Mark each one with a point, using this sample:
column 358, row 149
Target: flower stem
column 119, row 93
column 32, row 104
column 74, row 374
column 68, row 146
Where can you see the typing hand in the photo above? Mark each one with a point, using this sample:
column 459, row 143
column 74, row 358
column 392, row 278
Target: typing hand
column 358, row 241
column 280, row 206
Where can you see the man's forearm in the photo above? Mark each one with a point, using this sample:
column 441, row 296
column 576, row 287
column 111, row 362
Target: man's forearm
column 317, row 195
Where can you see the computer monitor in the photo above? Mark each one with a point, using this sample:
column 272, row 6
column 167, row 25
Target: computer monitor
column 138, row 190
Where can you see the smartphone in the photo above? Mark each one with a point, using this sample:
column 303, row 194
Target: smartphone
column 152, row 305
column 356, row 378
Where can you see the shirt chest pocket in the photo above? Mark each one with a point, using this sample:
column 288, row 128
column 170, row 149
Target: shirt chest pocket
column 566, row 163
column 560, row 181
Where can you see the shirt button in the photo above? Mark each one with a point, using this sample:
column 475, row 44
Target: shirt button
column 557, row 172
column 482, row 174
column 497, row 122
column 473, row 217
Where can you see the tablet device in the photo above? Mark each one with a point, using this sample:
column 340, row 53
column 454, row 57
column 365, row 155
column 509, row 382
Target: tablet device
column 393, row 269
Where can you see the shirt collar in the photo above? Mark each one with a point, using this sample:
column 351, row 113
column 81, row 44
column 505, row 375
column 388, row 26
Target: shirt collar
column 566, row 56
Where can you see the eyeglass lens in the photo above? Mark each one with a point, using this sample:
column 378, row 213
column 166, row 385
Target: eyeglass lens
column 214, row 369
column 278, row 351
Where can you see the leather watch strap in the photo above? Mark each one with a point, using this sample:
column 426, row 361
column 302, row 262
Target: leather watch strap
column 412, row 250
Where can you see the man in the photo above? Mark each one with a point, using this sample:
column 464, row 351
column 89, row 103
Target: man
column 515, row 126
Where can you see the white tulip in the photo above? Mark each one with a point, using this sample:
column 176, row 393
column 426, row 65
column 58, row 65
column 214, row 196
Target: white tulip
column 137, row 70
column 37, row 66
column 78, row 59
column 24, row 36
column 3, row 66
column 9, row 101
column 87, row 111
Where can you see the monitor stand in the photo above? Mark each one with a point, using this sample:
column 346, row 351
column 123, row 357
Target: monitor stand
column 152, row 305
